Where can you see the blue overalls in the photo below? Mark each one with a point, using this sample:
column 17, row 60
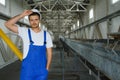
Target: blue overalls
column 34, row 65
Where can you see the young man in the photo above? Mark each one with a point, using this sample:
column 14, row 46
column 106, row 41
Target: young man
column 36, row 43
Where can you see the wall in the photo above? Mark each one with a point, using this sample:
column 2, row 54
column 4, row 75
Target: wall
column 101, row 8
column 12, row 8
column 113, row 7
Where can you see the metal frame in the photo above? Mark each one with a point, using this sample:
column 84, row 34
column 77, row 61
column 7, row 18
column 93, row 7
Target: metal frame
column 78, row 4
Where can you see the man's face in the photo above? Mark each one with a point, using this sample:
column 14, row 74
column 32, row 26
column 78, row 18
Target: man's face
column 34, row 21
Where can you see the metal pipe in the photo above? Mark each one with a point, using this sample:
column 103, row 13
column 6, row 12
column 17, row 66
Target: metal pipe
column 11, row 44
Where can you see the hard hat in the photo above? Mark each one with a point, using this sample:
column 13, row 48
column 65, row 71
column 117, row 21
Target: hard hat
column 35, row 10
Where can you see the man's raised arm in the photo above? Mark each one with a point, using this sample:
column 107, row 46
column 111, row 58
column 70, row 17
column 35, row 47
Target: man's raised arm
column 11, row 24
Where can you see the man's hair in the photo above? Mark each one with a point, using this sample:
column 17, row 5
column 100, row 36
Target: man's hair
column 34, row 13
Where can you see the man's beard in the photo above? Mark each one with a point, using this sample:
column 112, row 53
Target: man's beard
column 35, row 26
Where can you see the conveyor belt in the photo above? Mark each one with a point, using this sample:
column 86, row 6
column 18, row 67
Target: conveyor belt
column 103, row 59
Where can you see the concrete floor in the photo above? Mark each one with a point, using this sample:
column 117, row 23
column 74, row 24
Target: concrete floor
column 70, row 69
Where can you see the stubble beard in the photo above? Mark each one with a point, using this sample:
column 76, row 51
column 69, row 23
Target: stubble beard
column 34, row 26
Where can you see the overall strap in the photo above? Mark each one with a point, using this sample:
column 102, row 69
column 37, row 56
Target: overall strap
column 30, row 38
column 44, row 37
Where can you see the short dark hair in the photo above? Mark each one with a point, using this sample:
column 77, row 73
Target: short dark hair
column 34, row 13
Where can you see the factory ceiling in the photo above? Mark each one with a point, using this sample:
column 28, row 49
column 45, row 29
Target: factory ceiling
column 59, row 15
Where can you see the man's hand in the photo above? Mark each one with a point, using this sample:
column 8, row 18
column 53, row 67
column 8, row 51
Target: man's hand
column 26, row 13
column 49, row 58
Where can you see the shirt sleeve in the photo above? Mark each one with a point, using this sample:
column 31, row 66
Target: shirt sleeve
column 49, row 43
column 21, row 31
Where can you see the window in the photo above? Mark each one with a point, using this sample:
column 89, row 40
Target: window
column 26, row 17
column 67, row 32
column 114, row 1
column 74, row 27
column 78, row 23
column 91, row 13
column 44, row 28
column 2, row 2
column 26, row 20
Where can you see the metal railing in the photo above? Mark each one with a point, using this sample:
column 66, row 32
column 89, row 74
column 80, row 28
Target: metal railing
column 11, row 44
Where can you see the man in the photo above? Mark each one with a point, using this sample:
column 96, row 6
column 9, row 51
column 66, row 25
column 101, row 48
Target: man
column 36, row 43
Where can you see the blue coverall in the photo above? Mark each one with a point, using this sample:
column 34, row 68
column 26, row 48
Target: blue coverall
column 34, row 65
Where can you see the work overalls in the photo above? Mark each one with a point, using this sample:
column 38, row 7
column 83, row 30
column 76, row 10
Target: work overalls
column 34, row 65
